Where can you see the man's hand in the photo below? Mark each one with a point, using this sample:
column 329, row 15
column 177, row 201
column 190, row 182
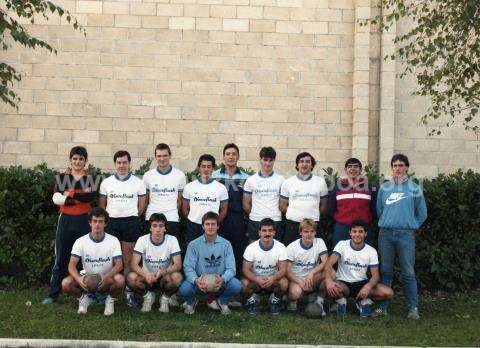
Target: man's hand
column 201, row 284
column 160, row 273
column 81, row 281
column 308, row 284
column 150, row 278
column 218, row 282
column 268, row 282
column 334, row 289
column 364, row 292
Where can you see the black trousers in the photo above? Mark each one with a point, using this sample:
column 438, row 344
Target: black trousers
column 232, row 228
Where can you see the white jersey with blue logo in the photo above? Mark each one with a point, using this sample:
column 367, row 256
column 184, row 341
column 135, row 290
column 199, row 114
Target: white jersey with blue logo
column 265, row 260
column 204, row 198
column 156, row 256
column 265, row 194
column 122, row 195
column 303, row 259
column 353, row 264
column 97, row 256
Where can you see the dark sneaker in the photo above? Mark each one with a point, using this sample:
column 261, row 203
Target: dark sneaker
column 274, row 305
column 251, row 305
column 48, row 300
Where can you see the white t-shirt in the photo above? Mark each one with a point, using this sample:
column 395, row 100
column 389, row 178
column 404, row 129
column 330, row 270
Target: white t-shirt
column 155, row 256
column 353, row 264
column 304, row 197
column 265, row 260
column 97, row 256
column 204, row 198
column 163, row 189
column 305, row 259
column 122, row 195
column 265, row 194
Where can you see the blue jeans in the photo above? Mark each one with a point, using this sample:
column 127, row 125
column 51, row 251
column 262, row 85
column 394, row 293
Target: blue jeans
column 228, row 290
column 393, row 242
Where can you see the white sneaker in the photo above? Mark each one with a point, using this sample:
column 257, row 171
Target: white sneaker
column 109, row 309
column 223, row 308
column 173, row 301
column 235, row 303
column 164, row 300
column 148, row 300
column 319, row 301
column 292, row 306
column 190, row 309
column 83, row 303
column 213, row 305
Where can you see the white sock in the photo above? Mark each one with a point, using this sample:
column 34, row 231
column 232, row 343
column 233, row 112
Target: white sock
column 341, row 301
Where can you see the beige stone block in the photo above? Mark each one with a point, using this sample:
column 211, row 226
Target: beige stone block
column 328, row 15
column 97, row 123
column 16, row 147
column 8, row 134
column 142, row 9
column 219, row 140
column 262, row 25
column 274, row 90
column 339, row 104
column 135, row 111
column 209, row 24
column 124, row 21
column 223, row 11
column 287, row 103
column 206, row 126
column 261, row 102
column 263, row 2
column 100, row 97
column 233, row 76
column 86, row 84
column 250, row 12
column 72, row 45
column 7, row 159
column 180, row 126
column 340, row 28
column 155, row 22
column 46, row 122
column 196, row 113
column 170, row 10
column 153, row 99
column 31, row 135
column 58, row 135
column 197, row 11
column 300, row 142
column 248, row 115
column 235, row 24
column 27, row 161
column 276, row 13
column 193, row 139
column 247, row 140
column 288, row 27
column 165, row 112
column 85, row 136
column 100, row 20
column 236, row 2
column 113, row 137
column 274, row 141
column 315, row 27
column 31, row 108
column 233, row 50
column 222, row 37
column 248, row 89
column 235, row 101
column 55, row 109
column 195, row 35
column 89, row 6
column 139, row 138
column 274, row 39
column 290, row 3
column 187, row 23
column 59, row 84
column 301, row 116
column 113, row 7
column 341, row 4
column 168, row 138
column 142, row 34
column 180, row 100
column 221, row 114
column 113, row 110
column 274, row 115
column 43, row 148
column 302, row 14
column 29, row 82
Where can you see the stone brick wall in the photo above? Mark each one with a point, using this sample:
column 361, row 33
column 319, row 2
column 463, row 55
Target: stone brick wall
column 294, row 74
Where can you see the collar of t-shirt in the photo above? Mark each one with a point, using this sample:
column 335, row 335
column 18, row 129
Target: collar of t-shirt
column 164, row 173
column 260, row 174
column 124, row 178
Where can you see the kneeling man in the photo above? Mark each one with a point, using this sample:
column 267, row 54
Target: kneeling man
column 264, row 269
column 100, row 254
column 209, row 254
column 354, row 259
column 161, row 261
column 306, row 260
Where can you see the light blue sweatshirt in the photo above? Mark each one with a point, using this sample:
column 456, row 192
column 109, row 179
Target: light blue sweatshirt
column 212, row 258
column 401, row 206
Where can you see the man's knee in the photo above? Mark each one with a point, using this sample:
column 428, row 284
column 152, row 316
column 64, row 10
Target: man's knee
column 176, row 279
column 68, row 284
column 187, row 289
column 118, row 281
column 294, row 291
column 234, row 285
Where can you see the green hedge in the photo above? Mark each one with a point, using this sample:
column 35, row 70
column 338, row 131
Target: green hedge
column 448, row 244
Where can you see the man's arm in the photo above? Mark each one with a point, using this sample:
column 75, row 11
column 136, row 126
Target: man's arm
column 185, row 207
column 332, row 288
column 189, row 264
column 179, row 201
column 135, row 265
column 375, row 278
column 222, row 211
column 323, row 206
column 247, row 271
column 291, row 276
column 102, row 201
column 142, row 204
column 72, row 270
column 420, row 208
column 379, row 203
column 283, row 204
column 321, row 266
column 117, row 267
column 247, row 202
column 281, row 271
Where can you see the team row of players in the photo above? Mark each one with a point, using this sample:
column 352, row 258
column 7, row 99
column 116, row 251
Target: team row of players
column 268, row 266
column 230, row 192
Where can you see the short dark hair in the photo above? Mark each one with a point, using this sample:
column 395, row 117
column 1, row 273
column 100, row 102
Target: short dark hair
column 162, row 146
column 266, row 222
column 230, row 146
column 206, row 157
column 158, row 217
column 400, row 157
column 304, row 154
column 268, row 152
column 98, row 212
column 210, row 216
column 353, row 160
column 358, row 223
column 78, row 150
column 121, row 153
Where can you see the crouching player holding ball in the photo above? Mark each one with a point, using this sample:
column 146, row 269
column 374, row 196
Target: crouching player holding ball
column 161, row 261
column 101, row 255
column 355, row 258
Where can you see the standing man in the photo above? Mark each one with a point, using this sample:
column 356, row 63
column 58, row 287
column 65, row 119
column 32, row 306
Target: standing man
column 303, row 196
column 99, row 254
column 201, row 196
column 261, row 195
column 401, row 210
column 164, row 184
column 73, row 194
column 352, row 199
column 124, row 197
column 264, row 269
column 209, row 254
column 156, row 265
column 232, row 228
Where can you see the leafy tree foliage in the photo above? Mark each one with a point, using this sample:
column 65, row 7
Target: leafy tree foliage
column 442, row 48
column 12, row 13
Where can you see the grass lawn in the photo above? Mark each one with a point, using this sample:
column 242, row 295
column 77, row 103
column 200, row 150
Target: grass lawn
column 454, row 321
